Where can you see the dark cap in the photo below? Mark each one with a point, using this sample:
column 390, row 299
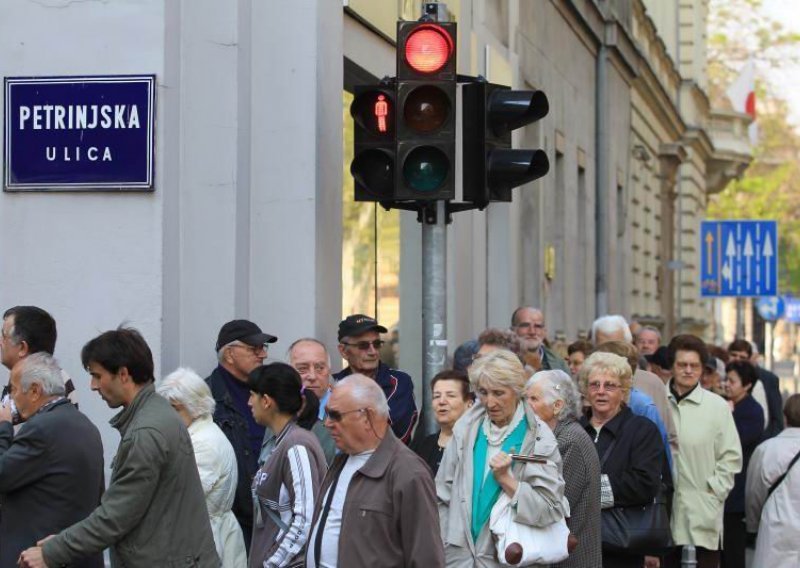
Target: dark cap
column 660, row 357
column 358, row 324
column 244, row 331
column 711, row 363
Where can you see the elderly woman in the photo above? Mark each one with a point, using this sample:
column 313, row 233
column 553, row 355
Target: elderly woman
column 191, row 398
column 554, row 398
column 451, row 398
column 477, row 467
column 632, row 456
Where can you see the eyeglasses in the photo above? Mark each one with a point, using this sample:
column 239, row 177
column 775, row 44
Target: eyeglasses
column 365, row 345
column 317, row 367
column 692, row 366
column 595, row 386
column 526, row 325
column 254, row 349
column 336, row 415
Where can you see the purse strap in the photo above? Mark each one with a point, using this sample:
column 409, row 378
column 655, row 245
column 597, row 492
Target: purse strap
column 785, row 473
column 607, row 452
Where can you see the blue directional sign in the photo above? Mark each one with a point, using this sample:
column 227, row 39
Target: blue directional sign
column 771, row 308
column 739, row 258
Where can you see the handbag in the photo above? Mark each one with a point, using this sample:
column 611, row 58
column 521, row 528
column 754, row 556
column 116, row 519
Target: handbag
column 637, row 529
column 534, row 545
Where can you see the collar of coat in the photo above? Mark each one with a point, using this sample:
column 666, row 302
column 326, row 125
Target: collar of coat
column 695, row 396
column 379, row 462
column 123, row 419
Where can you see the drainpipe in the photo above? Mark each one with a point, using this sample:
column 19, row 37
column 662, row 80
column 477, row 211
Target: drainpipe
column 601, row 182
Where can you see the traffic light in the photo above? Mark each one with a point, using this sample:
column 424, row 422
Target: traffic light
column 373, row 165
column 426, row 109
column 490, row 167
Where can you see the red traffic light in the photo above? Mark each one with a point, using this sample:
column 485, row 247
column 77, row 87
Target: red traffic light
column 373, row 110
column 428, row 48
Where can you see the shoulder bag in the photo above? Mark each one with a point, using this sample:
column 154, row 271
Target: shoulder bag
column 778, row 481
column 638, row 529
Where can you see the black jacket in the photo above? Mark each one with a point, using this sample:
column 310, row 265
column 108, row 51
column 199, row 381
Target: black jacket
column 749, row 418
column 234, row 424
column 637, row 462
column 51, row 476
column 772, row 391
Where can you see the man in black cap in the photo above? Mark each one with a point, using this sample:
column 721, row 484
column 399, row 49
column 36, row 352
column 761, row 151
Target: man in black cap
column 359, row 345
column 241, row 347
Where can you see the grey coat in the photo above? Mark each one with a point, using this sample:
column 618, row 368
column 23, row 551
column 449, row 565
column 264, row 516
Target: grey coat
column 540, row 497
column 153, row 513
column 582, row 477
column 47, row 480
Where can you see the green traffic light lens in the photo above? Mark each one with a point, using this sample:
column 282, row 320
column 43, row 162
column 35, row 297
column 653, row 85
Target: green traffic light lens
column 374, row 171
column 426, row 108
column 425, row 168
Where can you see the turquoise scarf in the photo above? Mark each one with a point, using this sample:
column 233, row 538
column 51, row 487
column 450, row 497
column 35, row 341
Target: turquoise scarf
column 486, row 491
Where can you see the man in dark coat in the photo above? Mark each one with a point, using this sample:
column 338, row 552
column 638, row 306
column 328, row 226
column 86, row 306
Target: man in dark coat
column 241, row 347
column 48, row 481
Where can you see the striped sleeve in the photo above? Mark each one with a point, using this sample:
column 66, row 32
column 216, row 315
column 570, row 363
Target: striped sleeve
column 292, row 541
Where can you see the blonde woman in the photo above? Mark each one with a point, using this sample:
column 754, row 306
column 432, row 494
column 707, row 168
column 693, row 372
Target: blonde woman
column 477, row 467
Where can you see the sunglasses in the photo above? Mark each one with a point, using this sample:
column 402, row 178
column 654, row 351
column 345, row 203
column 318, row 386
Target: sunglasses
column 336, row 415
column 365, row 345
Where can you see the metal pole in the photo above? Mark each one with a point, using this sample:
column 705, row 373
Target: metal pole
column 768, row 345
column 434, row 306
column 740, row 318
column 688, row 557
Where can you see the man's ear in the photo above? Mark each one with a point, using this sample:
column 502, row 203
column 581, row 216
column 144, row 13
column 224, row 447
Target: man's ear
column 24, row 349
column 124, row 375
column 341, row 347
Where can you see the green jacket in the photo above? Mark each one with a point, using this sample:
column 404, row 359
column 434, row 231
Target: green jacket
column 153, row 513
column 553, row 361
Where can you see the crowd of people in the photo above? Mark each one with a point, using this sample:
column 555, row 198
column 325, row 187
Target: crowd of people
column 618, row 450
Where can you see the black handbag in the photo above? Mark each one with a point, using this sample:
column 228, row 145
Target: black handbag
column 637, row 529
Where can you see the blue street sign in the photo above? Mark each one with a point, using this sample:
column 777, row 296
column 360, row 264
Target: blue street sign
column 792, row 312
column 772, row 308
column 739, row 258
column 79, row 133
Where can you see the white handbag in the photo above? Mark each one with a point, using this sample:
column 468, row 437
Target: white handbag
column 540, row 545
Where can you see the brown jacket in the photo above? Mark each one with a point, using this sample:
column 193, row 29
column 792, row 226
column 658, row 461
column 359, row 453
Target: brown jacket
column 652, row 386
column 390, row 517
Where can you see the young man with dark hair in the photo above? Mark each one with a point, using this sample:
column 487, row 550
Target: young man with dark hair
column 767, row 393
column 28, row 330
column 153, row 512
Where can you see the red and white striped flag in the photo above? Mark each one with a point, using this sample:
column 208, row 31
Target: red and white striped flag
column 742, row 94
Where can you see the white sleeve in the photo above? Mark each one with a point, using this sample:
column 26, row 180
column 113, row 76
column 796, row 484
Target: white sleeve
column 296, row 536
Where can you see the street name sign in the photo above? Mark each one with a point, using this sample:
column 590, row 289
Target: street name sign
column 739, row 258
column 79, row 133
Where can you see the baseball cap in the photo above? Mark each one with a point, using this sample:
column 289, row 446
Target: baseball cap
column 244, row 331
column 358, row 324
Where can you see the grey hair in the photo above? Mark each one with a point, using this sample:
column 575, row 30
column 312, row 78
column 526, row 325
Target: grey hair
column 502, row 368
column 308, row 340
column 366, row 391
column 519, row 309
column 650, row 328
column 41, row 368
column 185, row 387
column 611, row 324
column 557, row 385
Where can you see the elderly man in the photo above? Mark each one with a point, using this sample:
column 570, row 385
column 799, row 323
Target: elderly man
column 28, row 330
column 153, row 512
column 528, row 323
column 648, row 339
column 615, row 328
column 377, row 505
column 48, row 481
column 359, row 345
column 241, row 347
column 310, row 358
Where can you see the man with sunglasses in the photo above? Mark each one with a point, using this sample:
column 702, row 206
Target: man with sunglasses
column 360, row 344
column 241, row 347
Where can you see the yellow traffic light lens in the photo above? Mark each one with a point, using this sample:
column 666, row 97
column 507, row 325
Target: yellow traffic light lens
column 426, row 109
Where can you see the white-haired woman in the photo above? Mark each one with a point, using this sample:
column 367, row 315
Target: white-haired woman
column 555, row 399
column 477, row 467
column 191, row 398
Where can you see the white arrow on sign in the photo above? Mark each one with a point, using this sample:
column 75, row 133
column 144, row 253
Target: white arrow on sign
column 768, row 252
column 727, row 269
column 748, row 255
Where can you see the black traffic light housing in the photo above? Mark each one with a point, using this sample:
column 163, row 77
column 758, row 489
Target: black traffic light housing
column 426, row 111
column 491, row 168
column 373, row 165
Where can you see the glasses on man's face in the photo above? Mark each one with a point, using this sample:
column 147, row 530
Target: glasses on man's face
column 365, row 345
column 336, row 415
column 690, row 366
column 595, row 386
column 527, row 325
column 254, row 349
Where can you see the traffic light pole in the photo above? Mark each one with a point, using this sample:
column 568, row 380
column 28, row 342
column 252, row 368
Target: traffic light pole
column 434, row 304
